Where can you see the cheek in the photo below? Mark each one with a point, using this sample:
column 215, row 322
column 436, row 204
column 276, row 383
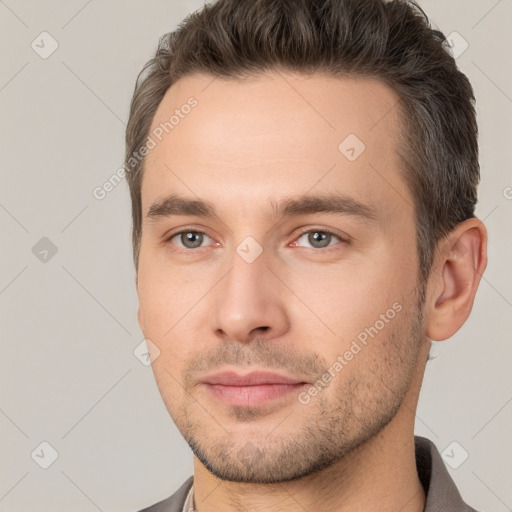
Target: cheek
column 165, row 295
column 164, row 317
column 351, row 301
column 352, row 294
column 167, row 304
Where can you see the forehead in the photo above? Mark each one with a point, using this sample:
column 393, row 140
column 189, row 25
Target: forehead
column 275, row 133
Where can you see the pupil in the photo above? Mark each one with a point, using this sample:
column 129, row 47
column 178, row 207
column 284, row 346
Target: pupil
column 319, row 239
column 192, row 239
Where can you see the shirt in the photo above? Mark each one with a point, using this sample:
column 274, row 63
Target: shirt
column 190, row 506
column 440, row 490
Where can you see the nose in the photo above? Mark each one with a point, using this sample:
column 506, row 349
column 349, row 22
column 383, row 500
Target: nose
column 250, row 302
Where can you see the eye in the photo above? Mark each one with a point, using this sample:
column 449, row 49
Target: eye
column 189, row 239
column 318, row 238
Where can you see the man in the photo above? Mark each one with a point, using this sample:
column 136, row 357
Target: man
column 303, row 178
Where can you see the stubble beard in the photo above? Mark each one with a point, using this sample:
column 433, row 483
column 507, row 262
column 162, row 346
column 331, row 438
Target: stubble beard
column 336, row 422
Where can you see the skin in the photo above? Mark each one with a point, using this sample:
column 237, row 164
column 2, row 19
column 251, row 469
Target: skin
column 298, row 305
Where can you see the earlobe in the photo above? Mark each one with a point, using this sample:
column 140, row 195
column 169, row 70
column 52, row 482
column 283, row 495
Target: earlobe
column 461, row 261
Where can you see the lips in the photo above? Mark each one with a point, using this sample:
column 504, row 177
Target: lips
column 254, row 389
column 256, row 378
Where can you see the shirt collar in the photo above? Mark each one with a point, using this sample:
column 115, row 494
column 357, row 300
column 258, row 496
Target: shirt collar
column 440, row 489
column 189, row 505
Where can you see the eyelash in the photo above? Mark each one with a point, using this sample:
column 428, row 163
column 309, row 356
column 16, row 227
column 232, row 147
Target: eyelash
column 314, row 230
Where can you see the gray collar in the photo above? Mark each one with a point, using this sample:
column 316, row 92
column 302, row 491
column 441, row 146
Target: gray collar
column 440, row 489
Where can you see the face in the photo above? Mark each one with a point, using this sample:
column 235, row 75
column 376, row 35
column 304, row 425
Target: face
column 288, row 248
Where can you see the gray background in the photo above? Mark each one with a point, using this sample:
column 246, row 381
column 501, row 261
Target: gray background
column 68, row 321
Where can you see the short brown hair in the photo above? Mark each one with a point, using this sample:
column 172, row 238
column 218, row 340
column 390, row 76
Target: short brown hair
column 388, row 40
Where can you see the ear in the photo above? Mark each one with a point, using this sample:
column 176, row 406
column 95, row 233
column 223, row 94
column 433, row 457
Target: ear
column 458, row 265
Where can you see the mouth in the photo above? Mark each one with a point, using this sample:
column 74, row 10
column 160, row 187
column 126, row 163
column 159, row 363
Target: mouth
column 251, row 390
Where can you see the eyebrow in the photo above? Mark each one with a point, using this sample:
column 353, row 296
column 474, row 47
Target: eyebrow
column 338, row 204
